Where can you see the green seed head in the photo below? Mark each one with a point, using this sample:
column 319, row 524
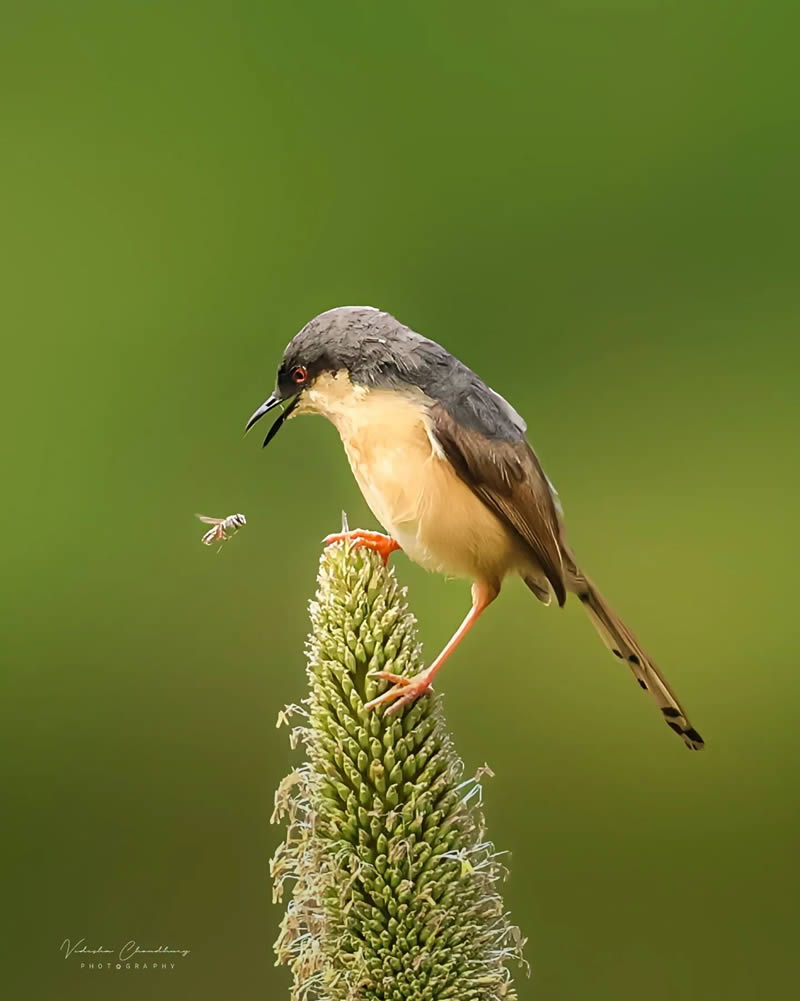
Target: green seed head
column 394, row 888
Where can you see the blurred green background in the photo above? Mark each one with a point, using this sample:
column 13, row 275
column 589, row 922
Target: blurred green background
column 593, row 204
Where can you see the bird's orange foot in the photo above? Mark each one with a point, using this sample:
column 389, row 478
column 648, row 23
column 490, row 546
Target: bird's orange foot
column 403, row 691
column 383, row 545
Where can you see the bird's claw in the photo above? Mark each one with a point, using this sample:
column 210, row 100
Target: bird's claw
column 403, row 692
column 381, row 544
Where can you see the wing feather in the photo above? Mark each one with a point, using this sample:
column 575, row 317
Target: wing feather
column 507, row 477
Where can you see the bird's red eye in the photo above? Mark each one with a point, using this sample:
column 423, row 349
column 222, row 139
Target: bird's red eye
column 299, row 374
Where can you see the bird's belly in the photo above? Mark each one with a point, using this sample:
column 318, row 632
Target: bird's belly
column 409, row 485
column 420, row 500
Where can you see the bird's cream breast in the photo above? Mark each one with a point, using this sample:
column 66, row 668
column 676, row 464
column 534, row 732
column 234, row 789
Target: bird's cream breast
column 408, row 483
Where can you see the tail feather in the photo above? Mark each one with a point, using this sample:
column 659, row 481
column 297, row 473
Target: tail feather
column 624, row 645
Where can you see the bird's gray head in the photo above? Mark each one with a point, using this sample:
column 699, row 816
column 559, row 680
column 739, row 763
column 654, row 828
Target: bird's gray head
column 376, row 350
column 359, row 340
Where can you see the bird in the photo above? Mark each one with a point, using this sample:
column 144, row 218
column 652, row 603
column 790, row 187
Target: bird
column 444, row 464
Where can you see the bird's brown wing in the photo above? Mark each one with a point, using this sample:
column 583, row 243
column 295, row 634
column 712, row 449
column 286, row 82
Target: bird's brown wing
column 507, row 477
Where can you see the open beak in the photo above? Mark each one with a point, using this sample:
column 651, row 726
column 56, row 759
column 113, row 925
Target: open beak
column 270, row 404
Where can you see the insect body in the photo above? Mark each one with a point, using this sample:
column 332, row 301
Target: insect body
column 231, row 525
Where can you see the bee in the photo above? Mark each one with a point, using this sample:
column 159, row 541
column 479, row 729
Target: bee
column 231, row 524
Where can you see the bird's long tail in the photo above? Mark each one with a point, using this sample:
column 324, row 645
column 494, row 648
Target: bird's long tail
column 624, row 645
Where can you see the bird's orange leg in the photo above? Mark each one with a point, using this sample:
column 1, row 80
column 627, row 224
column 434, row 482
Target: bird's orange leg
column 383, row 545
column 406, row 690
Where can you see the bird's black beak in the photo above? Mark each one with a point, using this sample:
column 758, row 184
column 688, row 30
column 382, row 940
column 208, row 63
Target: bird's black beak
column 270, row 404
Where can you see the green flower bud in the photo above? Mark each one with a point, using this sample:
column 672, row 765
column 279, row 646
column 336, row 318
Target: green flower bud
column 394, row 888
